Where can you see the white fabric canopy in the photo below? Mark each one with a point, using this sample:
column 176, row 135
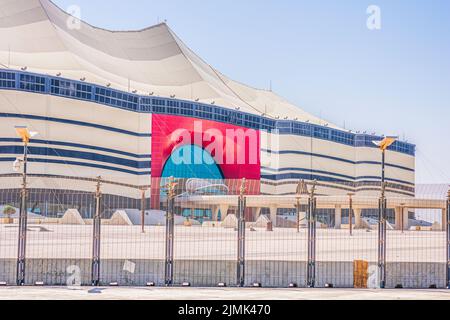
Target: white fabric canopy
column 35, row 34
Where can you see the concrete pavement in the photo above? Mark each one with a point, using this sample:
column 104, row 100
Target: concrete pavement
column 115, row 293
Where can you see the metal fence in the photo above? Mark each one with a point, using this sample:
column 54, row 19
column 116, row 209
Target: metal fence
column 209, row 233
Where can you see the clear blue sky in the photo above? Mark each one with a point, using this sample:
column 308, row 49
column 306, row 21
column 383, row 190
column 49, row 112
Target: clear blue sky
column 321, row 56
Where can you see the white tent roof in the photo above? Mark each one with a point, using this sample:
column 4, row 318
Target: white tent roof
column 35, row 34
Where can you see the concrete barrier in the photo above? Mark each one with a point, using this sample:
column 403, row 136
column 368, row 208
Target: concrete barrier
column 72, row 217
column 205, row 273
column 230, row 221
column 119, row 218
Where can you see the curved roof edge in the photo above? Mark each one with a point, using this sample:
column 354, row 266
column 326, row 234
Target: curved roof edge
column 43, row 37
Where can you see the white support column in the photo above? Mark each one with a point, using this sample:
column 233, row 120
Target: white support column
column 302, row 218
column 273, row 215
column 358, row 222
column 444, row 219
column 337, row 217
column 223, row 211
column 398, row 218
column 215, row 213
column 257, row 213
column 406, row 219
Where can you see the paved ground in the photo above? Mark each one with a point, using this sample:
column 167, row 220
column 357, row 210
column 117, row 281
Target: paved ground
column 48, row 293
column 127, row 242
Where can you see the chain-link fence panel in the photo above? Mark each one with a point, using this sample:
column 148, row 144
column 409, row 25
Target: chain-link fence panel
column 347, row 242
column 132, row 237
column 58, row 234
column 205, row 234
column 416, row 243
column 276, row 243
column 9, row 231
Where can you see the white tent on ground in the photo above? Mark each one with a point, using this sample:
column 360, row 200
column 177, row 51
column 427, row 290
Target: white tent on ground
column 152, row 218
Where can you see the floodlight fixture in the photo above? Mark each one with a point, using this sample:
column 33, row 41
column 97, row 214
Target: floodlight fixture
column 25, row 134
column 386, row 142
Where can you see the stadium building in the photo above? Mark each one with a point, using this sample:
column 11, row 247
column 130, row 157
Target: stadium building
column 107, row 103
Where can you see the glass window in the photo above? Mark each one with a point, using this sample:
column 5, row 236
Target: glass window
column 32, row 83
column 7, row 80
column 303, row 129
column 321, row 133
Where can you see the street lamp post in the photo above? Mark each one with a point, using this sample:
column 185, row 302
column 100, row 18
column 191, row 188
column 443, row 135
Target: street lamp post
column 383, row 145
column 171, row 195
column 242, row 204
column 25, row 135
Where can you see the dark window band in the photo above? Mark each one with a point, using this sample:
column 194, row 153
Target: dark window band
column 309, row 154
column 82, row 164
column 74, row 122
column 81, row 146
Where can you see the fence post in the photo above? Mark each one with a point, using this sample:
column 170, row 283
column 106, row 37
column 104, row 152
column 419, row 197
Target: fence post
column 448, row 239
column 95, row 275
column 23, row 222
column 241, row 235
column 382, row 238
column 311, row 216
column 168, row 274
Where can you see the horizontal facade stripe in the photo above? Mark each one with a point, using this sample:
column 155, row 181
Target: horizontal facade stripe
column 337, row 187
column 409, row 194
column 82, row 164
column 299, row 176
column 78, row 145
column 60, row 177
column 291, row 194
column 62, row 153
column 309, row 154
column 307, row 170
column 387, row 164
column 74, row 122
column 295, row 183
column 387, row 179
column 333, row 174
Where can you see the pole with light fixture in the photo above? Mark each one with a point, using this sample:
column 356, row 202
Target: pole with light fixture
column 96, row 235
column 25, row 135
column 311, row 217
column 382, row 214
column 240, row 267
column 171, row 195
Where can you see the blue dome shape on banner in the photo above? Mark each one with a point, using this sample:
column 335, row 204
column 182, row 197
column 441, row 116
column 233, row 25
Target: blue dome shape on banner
column 191, row 161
